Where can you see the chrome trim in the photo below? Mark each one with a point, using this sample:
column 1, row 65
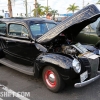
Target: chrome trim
column 98, row 72
column 15, row 39
column 78, row 85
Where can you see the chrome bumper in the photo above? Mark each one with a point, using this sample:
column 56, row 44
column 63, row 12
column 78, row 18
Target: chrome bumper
column 78, row 85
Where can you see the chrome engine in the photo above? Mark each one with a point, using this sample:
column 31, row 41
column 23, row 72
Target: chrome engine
column 68, row 50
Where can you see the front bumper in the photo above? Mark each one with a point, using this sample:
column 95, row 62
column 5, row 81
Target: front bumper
column 78, row 85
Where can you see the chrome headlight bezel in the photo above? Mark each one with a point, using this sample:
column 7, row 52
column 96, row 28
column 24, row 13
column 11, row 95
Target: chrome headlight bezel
column 76, row 66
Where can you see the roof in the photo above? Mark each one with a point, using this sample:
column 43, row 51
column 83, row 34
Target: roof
column 21, row 19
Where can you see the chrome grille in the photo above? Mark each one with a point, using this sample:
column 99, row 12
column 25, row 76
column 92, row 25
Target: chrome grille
column 94, row 63
column 85, row 61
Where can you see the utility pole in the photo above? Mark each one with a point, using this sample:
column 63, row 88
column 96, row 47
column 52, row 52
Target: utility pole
column 35, row 8
column 83, row 3
column 26, row 8
column 47, row 3
column 47, row 6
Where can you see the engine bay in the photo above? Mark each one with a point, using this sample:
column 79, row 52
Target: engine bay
column 66, row 46
column 62, row 44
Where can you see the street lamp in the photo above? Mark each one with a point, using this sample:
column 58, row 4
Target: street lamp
column 83, row 3
column 47, row 3
column 26, row 7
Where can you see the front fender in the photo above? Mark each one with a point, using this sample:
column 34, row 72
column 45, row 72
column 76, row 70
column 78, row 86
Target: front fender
column 56, row 59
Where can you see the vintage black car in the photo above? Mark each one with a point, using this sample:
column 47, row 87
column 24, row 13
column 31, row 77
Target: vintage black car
column 39, row 47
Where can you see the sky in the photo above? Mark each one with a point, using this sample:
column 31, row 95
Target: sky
column 60, row 5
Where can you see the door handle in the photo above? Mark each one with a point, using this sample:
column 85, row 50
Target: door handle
column 9, row 41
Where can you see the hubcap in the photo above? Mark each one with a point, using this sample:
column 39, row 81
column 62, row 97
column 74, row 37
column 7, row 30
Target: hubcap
column 50, row 78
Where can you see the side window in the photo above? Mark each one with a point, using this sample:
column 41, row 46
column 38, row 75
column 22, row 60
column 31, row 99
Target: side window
column 2, row 28
column 18, row 30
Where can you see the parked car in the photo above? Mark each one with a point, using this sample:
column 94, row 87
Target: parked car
column 39, row 47
column 88, row 35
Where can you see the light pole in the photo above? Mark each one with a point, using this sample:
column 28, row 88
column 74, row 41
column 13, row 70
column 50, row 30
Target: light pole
column 47, row 6
column 26, row 7
column 83, row 3
column 47, row 3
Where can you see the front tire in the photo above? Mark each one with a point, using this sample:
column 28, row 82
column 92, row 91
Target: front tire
column 52, row 79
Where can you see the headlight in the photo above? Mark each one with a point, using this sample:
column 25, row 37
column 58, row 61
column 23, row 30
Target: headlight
column 76, row 66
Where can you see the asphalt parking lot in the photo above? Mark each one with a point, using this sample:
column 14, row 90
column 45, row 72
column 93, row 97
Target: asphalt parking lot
column 18, row 82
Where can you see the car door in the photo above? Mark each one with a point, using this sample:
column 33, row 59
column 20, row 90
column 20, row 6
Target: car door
column 3, row 31
column 19, row 47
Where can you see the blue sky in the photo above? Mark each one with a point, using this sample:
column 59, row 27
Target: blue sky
column 59, row 5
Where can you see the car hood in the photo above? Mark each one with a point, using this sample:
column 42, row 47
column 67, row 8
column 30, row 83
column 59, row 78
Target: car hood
column 72, row 25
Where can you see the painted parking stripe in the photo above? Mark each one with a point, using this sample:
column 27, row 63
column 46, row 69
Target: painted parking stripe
column 13, row 93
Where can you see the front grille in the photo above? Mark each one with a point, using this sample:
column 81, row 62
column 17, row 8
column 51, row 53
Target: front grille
column 94, row 63
column 85, row 61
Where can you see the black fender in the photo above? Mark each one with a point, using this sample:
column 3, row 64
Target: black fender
column 1, row 53
column 59, row 60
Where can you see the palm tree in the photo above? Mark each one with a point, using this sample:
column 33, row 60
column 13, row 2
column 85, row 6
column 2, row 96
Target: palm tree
column 98, row 2
column 10, row 8
column 73, row 7
column 47, row 9
column 38, row 11
column 54, row 12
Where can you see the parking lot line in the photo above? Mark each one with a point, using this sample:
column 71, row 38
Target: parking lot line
column 13, row 93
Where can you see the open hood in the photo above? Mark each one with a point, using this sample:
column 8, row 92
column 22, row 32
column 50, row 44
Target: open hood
column 72, row 25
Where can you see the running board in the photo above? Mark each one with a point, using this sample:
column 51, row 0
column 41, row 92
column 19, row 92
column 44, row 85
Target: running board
column 21, row 68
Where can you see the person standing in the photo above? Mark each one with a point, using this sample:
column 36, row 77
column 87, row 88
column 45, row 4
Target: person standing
column 49, row 16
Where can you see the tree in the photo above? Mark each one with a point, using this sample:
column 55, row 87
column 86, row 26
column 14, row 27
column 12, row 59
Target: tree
column 54, row 12
column 10, row 8
column 47, row 9
column 43, row 10
column 72, row 8
column 38, row 11
column 98, row 2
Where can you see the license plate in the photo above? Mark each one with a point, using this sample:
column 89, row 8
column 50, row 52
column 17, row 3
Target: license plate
column 84, row 76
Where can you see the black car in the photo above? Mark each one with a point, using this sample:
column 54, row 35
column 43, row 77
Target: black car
column 40, row 47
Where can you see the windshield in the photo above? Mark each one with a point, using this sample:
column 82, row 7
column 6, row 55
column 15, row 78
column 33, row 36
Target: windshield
column 39, row 29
